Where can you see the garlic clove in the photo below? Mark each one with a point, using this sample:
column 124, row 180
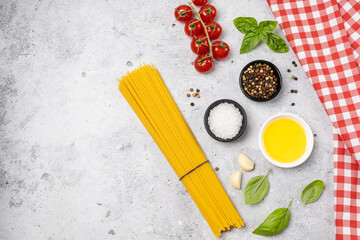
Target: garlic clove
column 245, row 163
column 236, row 179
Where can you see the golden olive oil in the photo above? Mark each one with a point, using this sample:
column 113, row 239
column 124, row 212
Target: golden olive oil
column 284, row 140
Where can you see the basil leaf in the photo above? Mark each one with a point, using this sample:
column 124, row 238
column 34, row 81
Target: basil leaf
column 312, row 191
column 254, row 34
column 250, row 40
column 268, row 26
column 275, row 42
column 256, row 189
column 245, row 24
column 275, row 222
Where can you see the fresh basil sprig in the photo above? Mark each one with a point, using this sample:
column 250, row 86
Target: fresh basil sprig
column 254, row 33
column 312, row 192
column 275, row 222
column 256, row 189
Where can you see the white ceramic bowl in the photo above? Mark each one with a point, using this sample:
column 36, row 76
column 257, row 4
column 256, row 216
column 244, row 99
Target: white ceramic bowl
column 309, row 140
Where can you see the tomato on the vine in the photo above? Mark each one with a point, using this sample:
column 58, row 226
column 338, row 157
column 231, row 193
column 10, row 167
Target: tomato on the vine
column 220, row 50
column 199, row 2
column 200, row 44
column 214, row 30
column 183, row 13
column 207, row 13
column 193, row 27
column 203, row 63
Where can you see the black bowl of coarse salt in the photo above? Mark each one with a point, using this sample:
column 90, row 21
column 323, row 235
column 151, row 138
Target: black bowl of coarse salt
column 225, row 120
column 260, row 81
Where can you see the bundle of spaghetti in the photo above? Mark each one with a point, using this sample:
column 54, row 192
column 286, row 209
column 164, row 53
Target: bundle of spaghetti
column 148, row 96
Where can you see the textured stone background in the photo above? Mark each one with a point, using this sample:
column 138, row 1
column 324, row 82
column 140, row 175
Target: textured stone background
column 76, row 163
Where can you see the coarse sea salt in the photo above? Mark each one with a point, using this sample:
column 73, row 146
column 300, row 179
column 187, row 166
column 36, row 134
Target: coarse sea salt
column 225, row 120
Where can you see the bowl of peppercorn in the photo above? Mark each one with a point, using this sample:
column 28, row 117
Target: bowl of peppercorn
column 260, row 81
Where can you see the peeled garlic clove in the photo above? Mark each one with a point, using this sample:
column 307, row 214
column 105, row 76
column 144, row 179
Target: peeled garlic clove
column 236, row 179
column 245, row 163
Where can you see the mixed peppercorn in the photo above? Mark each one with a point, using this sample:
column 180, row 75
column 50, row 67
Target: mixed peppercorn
column 195, row 94
column 260, row 81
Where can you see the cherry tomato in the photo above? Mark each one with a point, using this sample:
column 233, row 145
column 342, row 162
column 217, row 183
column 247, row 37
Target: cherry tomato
column 203, row 63
column 183, row 13
column 200, row 44
column 220, row 50
column 199, row 2
column 214, row 30
column 193, row 28
column 207, row 13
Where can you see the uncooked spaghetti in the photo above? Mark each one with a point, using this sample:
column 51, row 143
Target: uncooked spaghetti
column 149, row 97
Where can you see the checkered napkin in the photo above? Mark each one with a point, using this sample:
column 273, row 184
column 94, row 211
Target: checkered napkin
column 325, row 36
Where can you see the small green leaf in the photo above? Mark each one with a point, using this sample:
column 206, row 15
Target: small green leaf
column 274, row 223
column 268, row 26
column 256, row 189
column 250, row 41
column 275, row 42
column 254, row 34
column 312, row 191
column 245, row 24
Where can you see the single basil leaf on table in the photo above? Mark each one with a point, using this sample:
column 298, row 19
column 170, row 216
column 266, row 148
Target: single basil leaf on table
column 275, row 222
column 312, row 191
column 256, row 189
column 268, row 26
column 245, row 24
column 250, row 41
column 275, row 42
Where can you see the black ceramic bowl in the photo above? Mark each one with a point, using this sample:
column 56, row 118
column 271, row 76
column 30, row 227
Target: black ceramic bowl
column 276, row 73
column 238, row 106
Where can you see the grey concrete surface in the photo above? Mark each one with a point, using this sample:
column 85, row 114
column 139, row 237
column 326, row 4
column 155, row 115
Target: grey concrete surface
column 76, row 163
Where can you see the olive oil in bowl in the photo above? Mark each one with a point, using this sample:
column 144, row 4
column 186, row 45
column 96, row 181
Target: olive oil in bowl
column 286, row 140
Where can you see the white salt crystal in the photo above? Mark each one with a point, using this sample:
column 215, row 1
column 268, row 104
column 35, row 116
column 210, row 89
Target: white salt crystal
column 225, row 120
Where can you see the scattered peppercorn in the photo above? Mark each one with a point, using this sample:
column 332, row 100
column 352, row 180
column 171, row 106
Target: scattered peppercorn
column 293, row 77
column 289, row 70
column 188, row 95
column 293, row 62
column 192, row 104
column 198, row 96
column 296, row 78
column 295, row 91
column 292, row 91
column 259, row 81
column 295, row 65
column 191, row 89
column 216, row 169
column 194, row 94
column 197, row 90
column 293, row 104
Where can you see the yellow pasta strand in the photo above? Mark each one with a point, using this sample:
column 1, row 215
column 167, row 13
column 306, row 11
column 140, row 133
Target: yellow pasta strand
column 148, row 96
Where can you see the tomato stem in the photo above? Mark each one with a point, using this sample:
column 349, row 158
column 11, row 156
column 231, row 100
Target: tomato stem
column 203, row 24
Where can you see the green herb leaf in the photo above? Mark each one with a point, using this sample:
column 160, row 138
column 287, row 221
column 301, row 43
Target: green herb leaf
column 275, row 42
column 275, row 222
column 254, row 33
column 256, row 189
column 245, row 24
column 312, row 191
column 250, row 41
column 268, row 26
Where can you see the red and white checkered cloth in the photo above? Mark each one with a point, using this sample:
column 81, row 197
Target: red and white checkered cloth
column 325, row 36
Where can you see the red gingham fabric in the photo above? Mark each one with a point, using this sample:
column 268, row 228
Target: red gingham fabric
column 325, row 36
